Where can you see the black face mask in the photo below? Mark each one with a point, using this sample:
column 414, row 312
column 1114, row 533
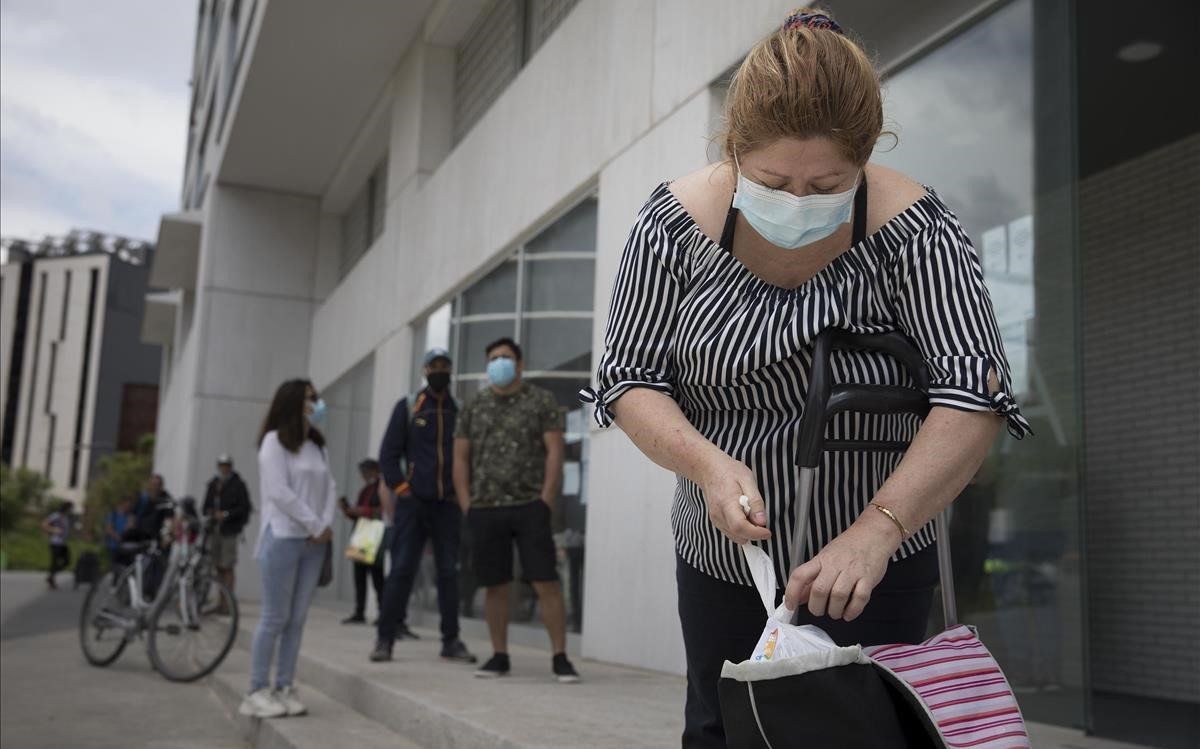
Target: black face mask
column 438, row 381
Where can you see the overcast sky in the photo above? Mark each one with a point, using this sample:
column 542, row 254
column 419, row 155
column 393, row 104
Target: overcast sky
column 93, row 114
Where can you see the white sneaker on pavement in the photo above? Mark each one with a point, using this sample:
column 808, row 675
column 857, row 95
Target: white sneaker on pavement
column 287, row 698
column 262, row 704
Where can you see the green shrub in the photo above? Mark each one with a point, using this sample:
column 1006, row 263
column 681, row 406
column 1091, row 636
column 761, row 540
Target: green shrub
column 22, row 491
column 119, row 476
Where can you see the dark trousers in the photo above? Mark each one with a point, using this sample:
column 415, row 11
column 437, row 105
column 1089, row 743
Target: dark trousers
column 723, row 621
column 60, row 559
column 416, row 521
column 361, row 571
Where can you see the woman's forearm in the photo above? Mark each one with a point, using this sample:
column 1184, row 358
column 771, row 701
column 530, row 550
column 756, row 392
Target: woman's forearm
column 947, row 451
column 654, row 422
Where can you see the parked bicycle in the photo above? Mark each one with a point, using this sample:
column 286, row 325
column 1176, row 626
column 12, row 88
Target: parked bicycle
column 169, row 592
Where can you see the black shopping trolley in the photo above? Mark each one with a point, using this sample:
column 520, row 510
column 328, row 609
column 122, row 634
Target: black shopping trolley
column 945, row 692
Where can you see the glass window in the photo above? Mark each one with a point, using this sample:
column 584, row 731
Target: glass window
column 354, row 233
column 574, row 232
column 565, row 389
column 495, row 292
column 965, row 116
column 363, row 221
column 210, row 46
column 542, row 18
column 487, row 60
column 559, row 285
column 378, row 189
column 557, row 344
column 503, row 38
column 477, row 335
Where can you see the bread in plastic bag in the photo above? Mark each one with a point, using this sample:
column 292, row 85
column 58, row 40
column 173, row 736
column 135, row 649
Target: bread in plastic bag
column 780, row 638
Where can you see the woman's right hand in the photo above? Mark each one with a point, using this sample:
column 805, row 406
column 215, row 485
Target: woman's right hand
column 724, row 481
column 324, row 538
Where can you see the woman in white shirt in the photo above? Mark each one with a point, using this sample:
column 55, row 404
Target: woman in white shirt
column 298, row 500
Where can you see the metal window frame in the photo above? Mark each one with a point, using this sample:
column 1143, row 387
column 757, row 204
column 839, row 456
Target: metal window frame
column 520, row 256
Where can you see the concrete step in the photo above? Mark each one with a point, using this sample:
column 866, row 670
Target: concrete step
column 329, row 723
column 441, row 705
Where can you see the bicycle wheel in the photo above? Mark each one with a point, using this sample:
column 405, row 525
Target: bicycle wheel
column 190, row 636
column 106, row 619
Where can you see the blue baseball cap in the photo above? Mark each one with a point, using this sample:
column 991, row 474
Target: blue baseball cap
column 436, row 353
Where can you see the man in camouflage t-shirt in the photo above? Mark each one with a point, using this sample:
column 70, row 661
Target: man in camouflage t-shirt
column 508, row 460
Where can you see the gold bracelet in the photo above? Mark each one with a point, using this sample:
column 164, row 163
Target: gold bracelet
column 892, row 516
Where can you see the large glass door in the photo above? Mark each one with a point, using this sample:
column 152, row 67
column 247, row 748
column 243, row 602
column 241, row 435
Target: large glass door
column 973, row 118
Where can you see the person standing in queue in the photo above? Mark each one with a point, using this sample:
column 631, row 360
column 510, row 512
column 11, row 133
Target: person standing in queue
column 298, row 501
column 227, row 502
column 508, row 467
column 416, row 458
column 367, row 506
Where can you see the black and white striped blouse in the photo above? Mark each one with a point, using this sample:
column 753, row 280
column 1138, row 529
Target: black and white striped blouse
column 690, row 320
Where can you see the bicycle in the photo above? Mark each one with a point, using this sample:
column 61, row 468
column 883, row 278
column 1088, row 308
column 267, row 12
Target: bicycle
column 189, row 616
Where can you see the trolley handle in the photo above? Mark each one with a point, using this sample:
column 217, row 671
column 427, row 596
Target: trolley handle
column 876, row 399
column 894, row 343
column 824, row 399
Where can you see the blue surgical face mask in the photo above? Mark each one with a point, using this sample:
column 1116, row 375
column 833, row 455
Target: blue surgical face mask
column 501, row 371
column 317, row 417
column 788, row 221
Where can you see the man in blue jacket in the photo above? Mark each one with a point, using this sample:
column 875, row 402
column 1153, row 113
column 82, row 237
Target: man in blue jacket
column 415, row 460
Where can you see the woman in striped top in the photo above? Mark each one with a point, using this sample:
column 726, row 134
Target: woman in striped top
column 728, row 276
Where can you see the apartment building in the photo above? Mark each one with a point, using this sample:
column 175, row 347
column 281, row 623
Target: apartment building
column 367, row 181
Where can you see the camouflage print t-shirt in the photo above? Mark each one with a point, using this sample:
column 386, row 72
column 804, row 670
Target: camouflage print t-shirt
column 508, row 453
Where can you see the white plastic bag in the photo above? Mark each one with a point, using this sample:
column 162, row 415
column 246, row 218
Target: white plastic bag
column 365, row 540
column 780, row 638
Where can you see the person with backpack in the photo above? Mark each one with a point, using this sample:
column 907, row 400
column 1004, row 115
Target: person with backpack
column 227, row 502
column 152, row 509
column 415, row 460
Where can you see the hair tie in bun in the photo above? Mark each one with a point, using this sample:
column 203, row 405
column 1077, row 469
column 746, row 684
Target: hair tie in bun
column 811, row 21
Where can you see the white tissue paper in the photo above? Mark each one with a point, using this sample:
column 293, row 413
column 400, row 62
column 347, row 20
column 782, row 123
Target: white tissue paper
column 780, row 638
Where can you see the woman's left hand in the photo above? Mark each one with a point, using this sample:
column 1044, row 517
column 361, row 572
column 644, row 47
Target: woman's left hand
column 838, row 581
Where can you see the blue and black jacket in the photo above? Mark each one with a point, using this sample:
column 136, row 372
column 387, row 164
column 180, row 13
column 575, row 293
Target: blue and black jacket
column 416, row 453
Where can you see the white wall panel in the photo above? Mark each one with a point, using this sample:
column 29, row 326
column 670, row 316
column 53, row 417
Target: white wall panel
column 261, row 242
column 254, row 343
column 630, row 554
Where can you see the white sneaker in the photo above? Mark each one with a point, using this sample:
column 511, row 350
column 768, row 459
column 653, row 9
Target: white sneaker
column 287, row 698
column 262, row 704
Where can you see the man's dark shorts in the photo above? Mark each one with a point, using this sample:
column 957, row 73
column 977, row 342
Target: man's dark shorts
column 493, row 531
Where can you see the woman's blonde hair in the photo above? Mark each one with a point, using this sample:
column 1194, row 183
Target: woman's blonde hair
column 805, row 80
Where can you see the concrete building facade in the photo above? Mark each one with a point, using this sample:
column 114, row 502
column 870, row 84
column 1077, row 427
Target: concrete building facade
column 364, row 183
column 78, row 383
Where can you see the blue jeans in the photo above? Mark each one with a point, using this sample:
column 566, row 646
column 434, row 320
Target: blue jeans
column 417, row 520
column 290, row 569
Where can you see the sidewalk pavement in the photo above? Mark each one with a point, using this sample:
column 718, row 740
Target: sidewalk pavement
column 51, row 698
column 436, row 704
